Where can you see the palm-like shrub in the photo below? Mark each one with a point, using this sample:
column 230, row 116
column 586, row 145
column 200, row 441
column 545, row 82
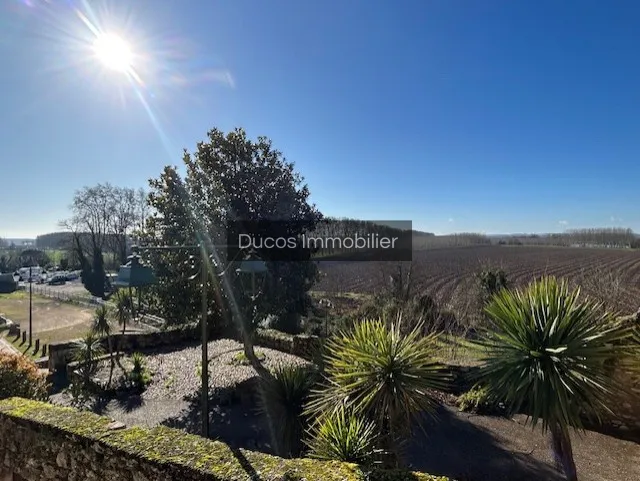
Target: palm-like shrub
column 282, row 399
column 123, row 304
column 343, row 436
column 86, row 350
column 377, row 372
column 102, row 327
column 548, row 350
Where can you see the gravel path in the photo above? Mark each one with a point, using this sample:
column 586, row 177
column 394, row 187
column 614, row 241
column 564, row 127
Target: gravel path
column 173, row 397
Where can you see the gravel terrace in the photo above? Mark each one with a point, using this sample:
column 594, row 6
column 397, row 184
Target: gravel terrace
column 173, row 397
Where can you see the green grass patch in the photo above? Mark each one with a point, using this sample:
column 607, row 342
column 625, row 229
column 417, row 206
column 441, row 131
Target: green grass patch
column 241, row 359
column 452, row 349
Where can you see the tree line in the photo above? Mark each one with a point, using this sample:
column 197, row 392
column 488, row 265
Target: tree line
column 613, row 237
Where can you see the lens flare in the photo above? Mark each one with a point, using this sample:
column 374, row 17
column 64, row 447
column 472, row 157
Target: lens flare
column 114, row 52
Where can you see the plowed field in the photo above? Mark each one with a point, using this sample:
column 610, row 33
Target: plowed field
column 609, row 274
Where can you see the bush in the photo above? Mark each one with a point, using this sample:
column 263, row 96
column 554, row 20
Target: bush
column 381, row 374
column 282, row 400
column 139, row 375
column 478, row 401
column 491, row 281
column 19, row 377
column 343, row 436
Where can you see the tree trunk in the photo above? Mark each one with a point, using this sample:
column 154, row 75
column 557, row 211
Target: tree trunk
column 562, row 451
column 249, row 351
column 110, row 346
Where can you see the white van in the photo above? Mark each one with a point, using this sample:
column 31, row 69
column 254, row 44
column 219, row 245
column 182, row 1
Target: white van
column 37, row 274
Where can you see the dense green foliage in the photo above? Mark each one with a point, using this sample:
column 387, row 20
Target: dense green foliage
column 547, row 350
column 19, row 377
column 230, row 178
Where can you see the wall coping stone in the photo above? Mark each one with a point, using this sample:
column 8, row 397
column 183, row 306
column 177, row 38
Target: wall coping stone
column 170, row 452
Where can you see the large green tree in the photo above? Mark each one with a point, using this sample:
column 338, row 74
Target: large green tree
column 230, row 178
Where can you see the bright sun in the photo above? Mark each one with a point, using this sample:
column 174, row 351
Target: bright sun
column 113, row 52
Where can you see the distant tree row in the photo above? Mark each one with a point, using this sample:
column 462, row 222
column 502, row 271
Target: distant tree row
column 613, row 237
column 331, row 227
column 462, row 239
column 13, row 259
column 54, row 240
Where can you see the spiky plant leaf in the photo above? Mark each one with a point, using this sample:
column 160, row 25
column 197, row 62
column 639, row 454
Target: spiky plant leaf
column 376, row 371
column 343, row 436
column 87, row 348
column 101, row 324
column 282, row 399
column 548, row 349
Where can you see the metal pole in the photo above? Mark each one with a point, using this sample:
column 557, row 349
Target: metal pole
column 205, row 353
column 30, row 306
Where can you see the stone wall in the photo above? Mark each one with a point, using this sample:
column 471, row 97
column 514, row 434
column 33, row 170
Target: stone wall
column 301, row 345
column 305, row 346
column 42, row 442
column 61, row 353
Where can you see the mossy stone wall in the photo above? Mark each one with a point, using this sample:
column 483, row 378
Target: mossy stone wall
column 42, row 442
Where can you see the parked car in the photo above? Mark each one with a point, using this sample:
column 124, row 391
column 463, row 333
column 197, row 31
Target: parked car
column 57, row 280
column 73, row 275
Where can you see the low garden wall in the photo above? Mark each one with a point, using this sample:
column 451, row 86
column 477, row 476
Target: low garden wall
column 61, row 353
column 39, row 441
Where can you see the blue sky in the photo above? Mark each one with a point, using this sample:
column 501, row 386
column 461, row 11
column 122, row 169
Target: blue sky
column 488, row 116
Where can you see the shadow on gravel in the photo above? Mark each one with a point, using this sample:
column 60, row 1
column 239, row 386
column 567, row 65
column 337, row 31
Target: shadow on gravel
column 233, row 418
column 458, row 449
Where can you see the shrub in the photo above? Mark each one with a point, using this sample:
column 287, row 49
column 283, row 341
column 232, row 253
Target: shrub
column 139, row 375
column 548, row 350
column 478, row 401
column 379, row 373
column 344, row 436
column 86, row 350
column 491, row 281
column 19, row 377
column 282, row 400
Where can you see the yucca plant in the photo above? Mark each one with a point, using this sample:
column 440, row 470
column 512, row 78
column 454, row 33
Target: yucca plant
column 343, row 436
column 139, row 375
column 123, row 304
column 382, row 374
column 282, row 399
column 102, row 327
column 86, row 350
column 548, row 351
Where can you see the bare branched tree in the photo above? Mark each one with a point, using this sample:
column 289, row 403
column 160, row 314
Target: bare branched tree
column 102, row 219
column 123, row 204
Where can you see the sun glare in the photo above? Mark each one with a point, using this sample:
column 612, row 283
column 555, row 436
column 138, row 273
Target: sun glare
column 113, row 52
